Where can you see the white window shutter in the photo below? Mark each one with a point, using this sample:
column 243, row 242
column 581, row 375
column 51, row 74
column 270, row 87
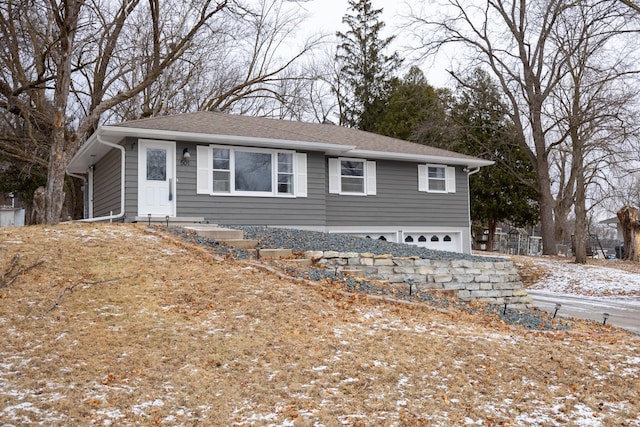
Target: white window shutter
column 204, row 174
column 334, row 176
column 422, row 178
column 451, row 179
column 300, row 185
column 371, row 178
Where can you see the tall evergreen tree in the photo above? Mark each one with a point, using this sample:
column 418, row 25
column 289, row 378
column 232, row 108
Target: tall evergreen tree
column 413, row 101
column 366, row 72
column 478, row 125
column 507, row 190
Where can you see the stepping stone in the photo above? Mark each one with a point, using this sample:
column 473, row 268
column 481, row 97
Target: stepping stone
column 274, row 253
column 218, row 234
column 302, row 261
column 241, row 243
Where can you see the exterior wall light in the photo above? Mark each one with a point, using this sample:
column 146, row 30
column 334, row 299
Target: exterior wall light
column 185, row 157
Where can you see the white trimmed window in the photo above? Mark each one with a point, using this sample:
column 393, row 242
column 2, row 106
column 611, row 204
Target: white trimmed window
column 352, row 177
column 239, row 171
column 436, row 179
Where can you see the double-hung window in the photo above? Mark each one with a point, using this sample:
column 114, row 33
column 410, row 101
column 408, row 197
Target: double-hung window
column 240, row 171
column 436, row 179
column 285, row 173
column 221, row 171
column 352, row 177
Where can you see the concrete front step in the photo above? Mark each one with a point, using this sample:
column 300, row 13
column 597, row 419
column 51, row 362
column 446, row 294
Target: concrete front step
column 217, row 233
column 240, row 243
column 274, row 253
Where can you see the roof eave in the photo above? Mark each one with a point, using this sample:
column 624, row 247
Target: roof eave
column 92, row 151
column 83, row 159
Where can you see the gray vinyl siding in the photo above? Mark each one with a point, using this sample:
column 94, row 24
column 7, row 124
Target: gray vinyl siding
column 281, row 211
column 131, row 178
column 398, row 201
column 106, row 189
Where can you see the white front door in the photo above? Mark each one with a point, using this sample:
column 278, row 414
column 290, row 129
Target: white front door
column 156, row 178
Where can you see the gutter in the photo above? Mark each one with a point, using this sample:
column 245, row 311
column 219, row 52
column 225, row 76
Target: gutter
column 73, row 175
column 468, row 162
column 122, row 171
column 472, row 171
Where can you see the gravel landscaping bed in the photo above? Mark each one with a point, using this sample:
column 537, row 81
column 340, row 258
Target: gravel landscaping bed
column 301, row 241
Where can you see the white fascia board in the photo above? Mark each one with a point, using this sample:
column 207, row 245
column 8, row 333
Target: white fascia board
column 226, row 139
column 421, row 158
column 81, row 161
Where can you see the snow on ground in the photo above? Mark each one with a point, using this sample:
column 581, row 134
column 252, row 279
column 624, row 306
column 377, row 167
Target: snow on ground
column 589, row 280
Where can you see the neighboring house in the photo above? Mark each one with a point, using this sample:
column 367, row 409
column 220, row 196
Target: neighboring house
column 614, row 222
column 229, row 169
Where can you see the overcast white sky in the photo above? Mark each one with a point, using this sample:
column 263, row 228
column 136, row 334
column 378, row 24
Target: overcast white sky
column 326, row 16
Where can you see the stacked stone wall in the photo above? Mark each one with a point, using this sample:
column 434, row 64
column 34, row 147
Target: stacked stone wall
column 495, row 282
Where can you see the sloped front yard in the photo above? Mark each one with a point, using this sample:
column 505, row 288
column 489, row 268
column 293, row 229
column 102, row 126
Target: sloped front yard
column 123, row 326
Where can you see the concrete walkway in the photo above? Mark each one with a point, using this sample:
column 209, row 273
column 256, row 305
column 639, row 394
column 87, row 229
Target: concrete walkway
column 624, row 312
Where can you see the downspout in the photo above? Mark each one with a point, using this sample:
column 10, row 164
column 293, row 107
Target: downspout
column 122, row 166
column 469, row 173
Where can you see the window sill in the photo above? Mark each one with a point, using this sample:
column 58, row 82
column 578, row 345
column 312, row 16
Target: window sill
column 351, row 194
column 254, row 195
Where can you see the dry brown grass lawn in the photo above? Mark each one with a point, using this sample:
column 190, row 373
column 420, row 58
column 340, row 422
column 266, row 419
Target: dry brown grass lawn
column 125, row 326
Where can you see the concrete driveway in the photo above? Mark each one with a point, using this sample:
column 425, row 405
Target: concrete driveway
column 624, row 312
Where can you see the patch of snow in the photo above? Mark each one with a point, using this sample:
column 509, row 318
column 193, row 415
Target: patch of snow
column 139, row 409
column 110, row 415
column 403, row 381
column 569, row 278
column 585, row 417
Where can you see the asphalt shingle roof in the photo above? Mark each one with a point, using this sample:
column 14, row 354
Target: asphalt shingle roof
column 217, row 123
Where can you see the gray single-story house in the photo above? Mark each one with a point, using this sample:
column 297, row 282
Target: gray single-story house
column 229, row 169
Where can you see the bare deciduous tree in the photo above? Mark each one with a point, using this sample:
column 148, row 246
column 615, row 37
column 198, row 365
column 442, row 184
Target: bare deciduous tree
column 72, row 64
column 592, row 105
column 74, row 40
column 523, row 45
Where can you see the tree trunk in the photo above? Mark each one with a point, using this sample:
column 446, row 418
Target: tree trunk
column 492, row 224
column 581, row 218
column 66, row 18
column 561, row 219
column 540, row 160
column 580, row 203
column 38, row 207
column 54, row 192
column 628, row 217
column 546, row 203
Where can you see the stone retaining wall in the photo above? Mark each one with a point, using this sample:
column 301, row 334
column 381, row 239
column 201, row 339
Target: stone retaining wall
column 495, row 282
